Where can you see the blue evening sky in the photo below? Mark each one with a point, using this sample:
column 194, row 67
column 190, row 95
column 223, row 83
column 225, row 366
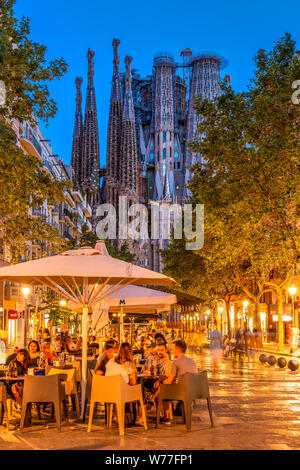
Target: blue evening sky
column 234, row 29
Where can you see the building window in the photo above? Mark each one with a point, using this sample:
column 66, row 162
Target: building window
column 164, row 137
column 152, row 156
column 164, row 154
column 176, row 154
column 164, row 170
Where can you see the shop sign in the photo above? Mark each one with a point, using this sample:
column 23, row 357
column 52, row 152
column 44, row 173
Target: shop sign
column 12, row 315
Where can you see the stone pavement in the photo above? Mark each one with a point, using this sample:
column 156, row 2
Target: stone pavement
column 255, row 407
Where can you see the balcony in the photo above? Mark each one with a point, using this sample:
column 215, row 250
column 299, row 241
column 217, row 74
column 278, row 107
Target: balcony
column 55, row 210
column 78, row 210
column 49, row 168
column 67, row 235
column 68, row 217
column 78, row 197
column 69, row 198
column 89, row 225
column 30, row 144
column 38, row 213
column 87, row 210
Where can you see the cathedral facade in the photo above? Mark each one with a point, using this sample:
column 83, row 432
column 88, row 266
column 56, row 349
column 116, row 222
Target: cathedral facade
column 151, row 120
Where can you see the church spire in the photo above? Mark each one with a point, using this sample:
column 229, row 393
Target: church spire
column 77, row 133
column 128, row 111
column 129, row 153
column 90, row 93
column 90, row 138
column 113, row 156
column 116, row 89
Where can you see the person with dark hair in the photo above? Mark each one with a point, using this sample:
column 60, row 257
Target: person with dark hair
column 109, row 351
column 181, row 364
column 160, row 336
column 123, row 364
column 34, row 353
column 18, row 366
column 12, row 356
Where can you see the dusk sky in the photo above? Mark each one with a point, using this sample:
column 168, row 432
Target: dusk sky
column 68, row 28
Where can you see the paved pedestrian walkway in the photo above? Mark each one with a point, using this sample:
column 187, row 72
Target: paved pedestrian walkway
column 255, row 407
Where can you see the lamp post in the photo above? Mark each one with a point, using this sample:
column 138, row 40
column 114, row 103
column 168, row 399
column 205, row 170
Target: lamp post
column 221, row 310
column 25, row 291
column 245, row 305
column 292, row 292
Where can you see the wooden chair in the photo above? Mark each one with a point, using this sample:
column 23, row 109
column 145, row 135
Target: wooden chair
column 70, row 384
column 191, row 387
column 3, row 406
column 43, row 389
column 114, row 390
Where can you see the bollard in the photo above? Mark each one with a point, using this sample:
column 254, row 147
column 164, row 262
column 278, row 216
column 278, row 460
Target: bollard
column 272, row 360
column 281, row 362
column 293, row 364
column 263, row 358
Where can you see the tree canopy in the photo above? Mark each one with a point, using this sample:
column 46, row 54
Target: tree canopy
column 247, row 179
column 25, row 72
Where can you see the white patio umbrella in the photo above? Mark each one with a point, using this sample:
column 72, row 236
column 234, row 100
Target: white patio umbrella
column 136, row 299
column 82, row 276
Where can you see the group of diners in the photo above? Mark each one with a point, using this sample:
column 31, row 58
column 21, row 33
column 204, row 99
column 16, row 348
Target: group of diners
column 158, row 368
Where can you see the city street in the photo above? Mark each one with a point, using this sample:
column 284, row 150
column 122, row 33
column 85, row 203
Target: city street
column 256, row 407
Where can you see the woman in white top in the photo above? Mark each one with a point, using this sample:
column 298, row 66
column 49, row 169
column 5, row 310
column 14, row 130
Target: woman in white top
column 123, row 364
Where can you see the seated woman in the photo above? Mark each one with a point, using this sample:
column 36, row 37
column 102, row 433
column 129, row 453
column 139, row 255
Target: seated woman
column 18, row 366
column 34, row 353
column 48, row 353
column 123, row 364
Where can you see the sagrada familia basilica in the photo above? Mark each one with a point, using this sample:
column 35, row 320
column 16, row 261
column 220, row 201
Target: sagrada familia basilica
column 151, row 120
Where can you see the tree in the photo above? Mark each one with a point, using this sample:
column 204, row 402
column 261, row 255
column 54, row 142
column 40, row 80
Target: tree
column 90, row 239
column 249, row 179
column 50, row 306
column 25, row 73
column 25, row 70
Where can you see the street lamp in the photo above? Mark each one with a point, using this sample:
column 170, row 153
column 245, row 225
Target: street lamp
column 245, row 304
column 62, row 303
column 292, row 292
column 25, row 291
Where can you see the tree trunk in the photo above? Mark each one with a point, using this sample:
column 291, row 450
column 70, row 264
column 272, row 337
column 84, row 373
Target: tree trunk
column 257, row 323
column 227, row 303
column 217, row 317
column 280, row 320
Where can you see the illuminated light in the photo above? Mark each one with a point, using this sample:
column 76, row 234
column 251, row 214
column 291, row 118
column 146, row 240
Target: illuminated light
column 25, row 291
column 245, row 303
column 292, row 290
column 285, row 318
column 62, row 303
column 1, row 309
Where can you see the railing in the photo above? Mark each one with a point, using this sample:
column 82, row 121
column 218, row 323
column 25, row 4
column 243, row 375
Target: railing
column 38, row 212
column 29, row 136
column 67, row 235
column 68, row 213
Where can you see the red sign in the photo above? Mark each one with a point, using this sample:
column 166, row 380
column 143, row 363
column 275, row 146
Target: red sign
column 12, row 314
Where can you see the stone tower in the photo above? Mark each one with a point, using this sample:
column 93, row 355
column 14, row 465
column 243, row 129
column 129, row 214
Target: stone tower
column 113, row 155
column 129, row 154
column 90, row 141
column 77, row 133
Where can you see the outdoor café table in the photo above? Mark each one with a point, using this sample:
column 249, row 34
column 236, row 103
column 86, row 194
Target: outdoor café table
column 8, row 380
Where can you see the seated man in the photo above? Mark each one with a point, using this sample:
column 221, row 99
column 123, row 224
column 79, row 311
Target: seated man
column 180, row 366
column 109, row 352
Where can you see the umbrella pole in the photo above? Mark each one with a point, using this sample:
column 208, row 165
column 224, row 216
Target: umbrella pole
column 84, row 357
